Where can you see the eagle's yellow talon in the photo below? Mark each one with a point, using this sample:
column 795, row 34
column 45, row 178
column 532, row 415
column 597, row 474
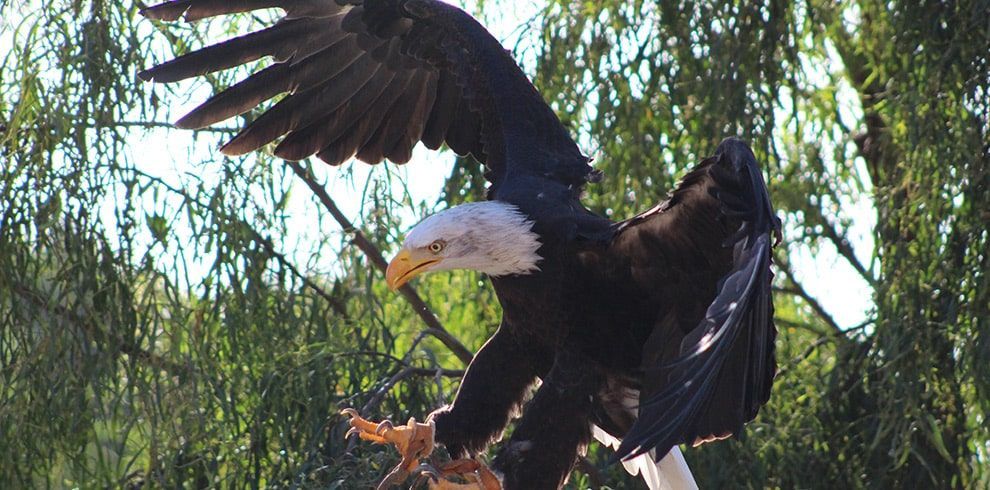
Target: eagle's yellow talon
column 413, row 441
column 477, row 476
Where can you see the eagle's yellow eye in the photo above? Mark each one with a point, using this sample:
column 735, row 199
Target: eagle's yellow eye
column 437, row 246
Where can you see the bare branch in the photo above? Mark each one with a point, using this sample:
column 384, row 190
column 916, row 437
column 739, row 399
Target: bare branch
column 402, row 374
column 337, row 306
column 375, row 256
column 157, row 125
column 824, row 339
column 798, row 290
column 804, row 355
column 808, row 327
column 841, row 243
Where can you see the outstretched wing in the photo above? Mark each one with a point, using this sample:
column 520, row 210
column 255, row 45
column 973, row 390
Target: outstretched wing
column 372, row 78
column 704, row 256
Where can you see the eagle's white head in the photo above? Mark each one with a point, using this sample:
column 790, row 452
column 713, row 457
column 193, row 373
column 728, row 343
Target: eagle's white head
column 491, row 237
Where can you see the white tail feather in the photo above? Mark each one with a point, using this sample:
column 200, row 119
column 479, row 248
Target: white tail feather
column 671, row 473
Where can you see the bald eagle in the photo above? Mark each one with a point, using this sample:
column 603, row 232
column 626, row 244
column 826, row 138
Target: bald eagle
column 645, row 333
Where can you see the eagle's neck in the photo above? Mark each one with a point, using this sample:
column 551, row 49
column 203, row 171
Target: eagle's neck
column 505, row 240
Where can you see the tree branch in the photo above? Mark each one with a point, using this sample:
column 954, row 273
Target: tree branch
column 808, row 327
column 375, row 256
column 804, row 355
column 875, row 145
column 822, row 340
column 841, row 244
column 337, row 306
column 402, row 374
column 798, row 290
column 157, row 125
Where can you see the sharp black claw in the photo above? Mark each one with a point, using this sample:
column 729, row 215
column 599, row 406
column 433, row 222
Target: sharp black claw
column 383, row 426
column 427, row 470
column 778, row 235
column 420, row 480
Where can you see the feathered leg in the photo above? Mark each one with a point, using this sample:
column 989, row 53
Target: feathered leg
column 490, row 393
column 544, row 446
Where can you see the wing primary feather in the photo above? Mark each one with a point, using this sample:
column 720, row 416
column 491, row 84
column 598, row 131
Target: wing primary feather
column 303, row 108
column 477, row 101
column 236, row 51
column 193, row 10
column 401, row 151
column 690, row 388
column 376, row 148
column 377, row 95
column 442, row 113
column 404, row 122
column 238, row 98
column 276, row 79
column 168, row 11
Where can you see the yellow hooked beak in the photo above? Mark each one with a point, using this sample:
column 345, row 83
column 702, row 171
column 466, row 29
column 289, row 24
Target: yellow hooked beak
column 407, row 265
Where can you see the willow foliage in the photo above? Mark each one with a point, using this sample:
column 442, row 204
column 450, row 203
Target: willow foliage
column 190, row 326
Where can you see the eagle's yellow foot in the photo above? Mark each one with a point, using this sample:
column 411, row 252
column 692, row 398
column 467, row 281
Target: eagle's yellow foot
column 476, row 476
column 413, row 440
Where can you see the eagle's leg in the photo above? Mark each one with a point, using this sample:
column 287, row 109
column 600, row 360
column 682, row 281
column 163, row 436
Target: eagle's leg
column 544, row 447
column 476, row 476
column 413, row 440
column 490, row 393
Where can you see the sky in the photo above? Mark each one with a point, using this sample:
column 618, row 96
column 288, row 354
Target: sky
column 177, row 156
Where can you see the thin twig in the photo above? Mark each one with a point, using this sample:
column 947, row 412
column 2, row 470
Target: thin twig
column 842, row 245
column 404, row 373
column 809, row 327
column 446, row 373
column 797, row 289
column 375, row 256
column 337, row 306
column 127, row 348
column 804, row 355
column 818, row 343
column 157, row 125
